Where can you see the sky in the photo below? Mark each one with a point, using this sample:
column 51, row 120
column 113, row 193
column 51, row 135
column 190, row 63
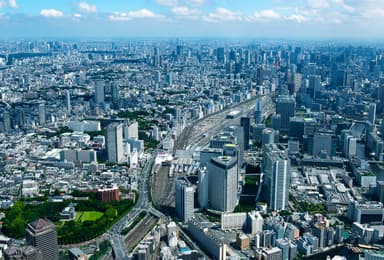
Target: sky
column 314, row 19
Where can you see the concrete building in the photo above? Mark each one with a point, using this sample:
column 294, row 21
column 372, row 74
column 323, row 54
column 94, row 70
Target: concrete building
column 366, row 212
column 99, row 92
column 222, row 181
column 114, row 143
column 277, row 177
column 184, row 199
column 42, row 234
column 285, row 106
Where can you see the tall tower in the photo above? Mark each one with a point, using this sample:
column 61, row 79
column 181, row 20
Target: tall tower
column 42, row 116
column 184, row 199
column 42, row 234
column 285, row 106
column 114, row 143
column 259, row 111
column 372, row 113
column 222, row 183
column 277, row 177
column 99, row 92
column 245, row 123
column 68, row 103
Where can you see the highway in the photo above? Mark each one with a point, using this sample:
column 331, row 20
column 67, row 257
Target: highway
column 119, row 246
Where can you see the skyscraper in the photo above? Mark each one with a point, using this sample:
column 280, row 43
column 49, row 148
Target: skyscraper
column 114, row 143
column 42, row 117
column 99, row 92
column 245, row 123
column 372, row 113
column 184, row 199
column 222, row 183
column 314, row 85
column 285, row 106
column 277, row 176
column 68, row 99
column 258, row 111
column 42, row 234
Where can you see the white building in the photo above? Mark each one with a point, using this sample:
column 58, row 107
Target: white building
column 114, row 143
column 222, row 183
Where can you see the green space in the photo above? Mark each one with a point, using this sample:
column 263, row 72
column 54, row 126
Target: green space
column 98, row 217
column 212, row 216
column 252, row 180
column 104, row 247
column 246, row 204
column 82, row 216
column 304, row 206
column 136, row 221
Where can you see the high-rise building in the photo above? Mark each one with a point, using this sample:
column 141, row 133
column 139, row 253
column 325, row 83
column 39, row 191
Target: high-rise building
column 222, row 181
column 115, row 95
column 245, row 123
column 42, row 114
column 99, row 92
column 277, row 176
column 372, row 113
column 131, row 130
column 114, row 143
column 314, row 85
column 285, row 106
column 68, row 99
column 42, row 234
column 203, row 188
column 258, row 111
column 220, row 55
column 184, row 199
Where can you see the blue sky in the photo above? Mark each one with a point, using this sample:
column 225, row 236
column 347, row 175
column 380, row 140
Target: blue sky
column 361, row 19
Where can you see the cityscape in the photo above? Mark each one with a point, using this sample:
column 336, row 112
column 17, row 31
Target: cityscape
column 191, row 144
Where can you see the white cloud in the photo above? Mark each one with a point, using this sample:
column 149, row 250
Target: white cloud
column 267, row 14
column 346, row 7
column 223, row 14
column 77, row 15
column 87, row 8
column 195, row 2
column 318, row 4
column 142, row 13
column 9, row 3
column 297, row 18
column 12, row 4
column 184, row 11
column 51, row 13
column 167, row 2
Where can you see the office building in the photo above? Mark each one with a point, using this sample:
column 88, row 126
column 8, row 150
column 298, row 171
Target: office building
column 372, row 113
column 258, row 111
column 207, row 154
column 366, row 212
column 68, row 101
column 314, row 85
column 245, row 123
column 42, row 234
column 285, row 106
column 42, row 114
column 222, row 181
column 184, row 199
column 99, row 92
column 114, row 143
column 277, row 177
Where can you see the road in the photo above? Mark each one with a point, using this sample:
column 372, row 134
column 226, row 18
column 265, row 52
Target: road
column 119, row 246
